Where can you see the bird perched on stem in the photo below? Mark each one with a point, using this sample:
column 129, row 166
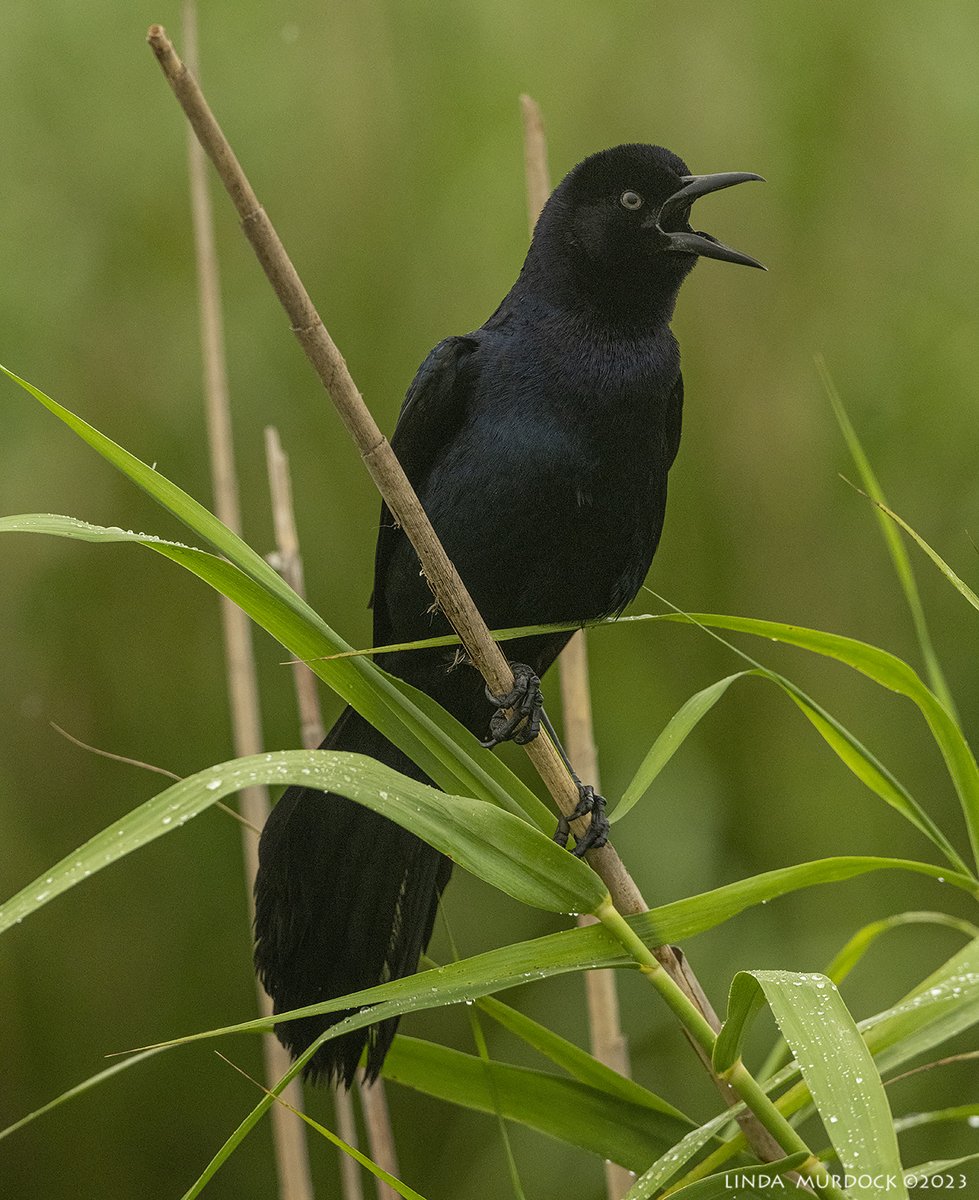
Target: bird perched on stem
column 539, row 446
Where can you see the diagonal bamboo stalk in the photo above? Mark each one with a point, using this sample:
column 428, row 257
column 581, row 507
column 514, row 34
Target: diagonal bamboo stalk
column 661, row 965
column 288, row 1131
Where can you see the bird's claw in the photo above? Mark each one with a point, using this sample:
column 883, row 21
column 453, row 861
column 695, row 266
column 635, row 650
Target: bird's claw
column 526, row 704
column 596, row 835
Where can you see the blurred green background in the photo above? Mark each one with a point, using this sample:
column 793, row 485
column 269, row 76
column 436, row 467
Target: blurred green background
column 384, row 140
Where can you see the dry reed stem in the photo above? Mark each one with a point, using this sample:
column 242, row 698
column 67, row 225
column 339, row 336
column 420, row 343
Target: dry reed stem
column 289, row 564
column 288, row 1131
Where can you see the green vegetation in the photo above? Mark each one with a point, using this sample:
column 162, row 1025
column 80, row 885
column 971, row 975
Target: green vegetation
column 409, row 218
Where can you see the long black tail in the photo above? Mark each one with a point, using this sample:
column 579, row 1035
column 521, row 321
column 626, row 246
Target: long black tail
column 344, row 899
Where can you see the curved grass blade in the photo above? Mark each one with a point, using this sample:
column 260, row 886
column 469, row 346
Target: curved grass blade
column 890, row 672
column 500, row 848
column 855, row 756
column 854, row 950
column 562, row 1108
column 578, row 1063
column 432, row 738
column 836, row 1064
column 758, row 1177
column 669, row 741
column 80, row 1089
column 895, row 547
column 959, row 584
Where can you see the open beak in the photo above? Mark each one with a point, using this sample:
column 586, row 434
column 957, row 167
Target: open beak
column 702, row 244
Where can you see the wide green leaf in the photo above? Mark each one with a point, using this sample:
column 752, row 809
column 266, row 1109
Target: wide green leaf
column 836, row 1064
column 498, row 847
column 593, row 1120
column 939, row 1008
column 431, row 737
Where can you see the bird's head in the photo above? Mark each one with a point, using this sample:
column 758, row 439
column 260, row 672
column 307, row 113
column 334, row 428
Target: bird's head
column 617, row 227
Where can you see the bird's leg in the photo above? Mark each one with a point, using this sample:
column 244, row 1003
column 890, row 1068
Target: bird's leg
column 526, row 703
column 589, row 801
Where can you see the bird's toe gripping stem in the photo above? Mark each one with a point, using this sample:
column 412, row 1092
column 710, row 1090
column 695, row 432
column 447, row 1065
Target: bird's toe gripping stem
column 526, row 705
column 596, row 835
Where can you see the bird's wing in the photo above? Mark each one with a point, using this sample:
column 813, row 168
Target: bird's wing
column 434, row 408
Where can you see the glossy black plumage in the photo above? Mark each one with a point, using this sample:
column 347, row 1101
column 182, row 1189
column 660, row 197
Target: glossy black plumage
column 540, row 446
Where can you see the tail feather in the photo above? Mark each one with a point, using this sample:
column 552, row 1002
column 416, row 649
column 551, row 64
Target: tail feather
column 344, row 899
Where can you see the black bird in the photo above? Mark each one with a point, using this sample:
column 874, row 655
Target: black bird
column 539, row 446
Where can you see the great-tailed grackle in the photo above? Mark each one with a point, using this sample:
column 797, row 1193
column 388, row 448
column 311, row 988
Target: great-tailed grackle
column 539, row 446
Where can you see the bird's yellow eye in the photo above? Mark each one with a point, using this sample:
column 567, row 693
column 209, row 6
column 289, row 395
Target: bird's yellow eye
column 631, row 200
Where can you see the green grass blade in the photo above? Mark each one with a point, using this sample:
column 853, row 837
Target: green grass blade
column 958, row 583
column 80, row 1089
column 500, row 848
column 758, row 1177
column 669, row 741
column 868, row 769
column 562, row 1108
column 895, row 547
column 885, row 669
column 675, row 1159
column 855, row 949
column 836, row 1064
column 941, row 1007
column 442, row 747
column 578, row 1063
column 958, row 1112
column 940, row 1170
column 358, row 1156
column 857, row 758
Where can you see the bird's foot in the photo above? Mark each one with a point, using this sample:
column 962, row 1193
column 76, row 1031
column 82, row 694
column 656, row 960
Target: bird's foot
column 526, row 704
column 596, row 835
